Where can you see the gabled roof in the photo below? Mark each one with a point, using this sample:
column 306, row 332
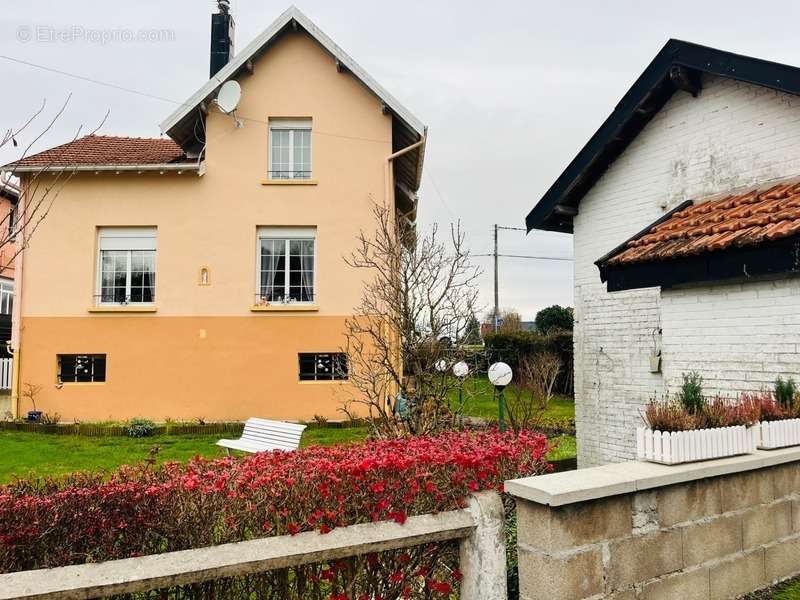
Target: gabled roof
column 103, row 151
column 677, row 66
column 180, row 125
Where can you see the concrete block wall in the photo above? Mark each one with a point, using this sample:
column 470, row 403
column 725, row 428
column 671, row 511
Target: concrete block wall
column 712, row 538
column 733, row 136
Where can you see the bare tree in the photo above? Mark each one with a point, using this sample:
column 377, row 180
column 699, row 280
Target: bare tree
column 522, row 400
column 417, row 304
column 510, row 320
column 544, row 369
column 39, row 189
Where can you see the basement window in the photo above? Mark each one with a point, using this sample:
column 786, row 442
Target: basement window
column 329, row 366
column 290, row 148
column 81, row 368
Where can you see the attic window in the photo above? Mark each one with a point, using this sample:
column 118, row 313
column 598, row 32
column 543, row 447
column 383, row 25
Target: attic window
column 290, row 148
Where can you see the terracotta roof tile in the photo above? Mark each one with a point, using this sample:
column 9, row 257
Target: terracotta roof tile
column 106, row 150
column 748, row 219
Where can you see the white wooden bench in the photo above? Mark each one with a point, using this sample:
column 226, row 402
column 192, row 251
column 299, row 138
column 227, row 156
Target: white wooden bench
column 260, row 435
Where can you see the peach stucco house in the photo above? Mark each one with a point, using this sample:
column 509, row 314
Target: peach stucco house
column 202, row 274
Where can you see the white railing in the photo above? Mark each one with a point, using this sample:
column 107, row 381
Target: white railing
column 480, row 528
column 6, row 369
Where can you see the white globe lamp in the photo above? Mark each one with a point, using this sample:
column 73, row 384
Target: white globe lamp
column 500, row 375
column 461, row 369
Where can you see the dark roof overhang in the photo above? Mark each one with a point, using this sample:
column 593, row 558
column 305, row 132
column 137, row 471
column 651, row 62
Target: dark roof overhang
column 781, row 257
column 678, row 66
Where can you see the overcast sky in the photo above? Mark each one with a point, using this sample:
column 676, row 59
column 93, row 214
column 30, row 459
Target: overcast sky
column 510, row 91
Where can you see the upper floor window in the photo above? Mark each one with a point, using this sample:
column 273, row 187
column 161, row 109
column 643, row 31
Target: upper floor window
column 290, row 148
column 6, row 296
column 286, row 261
column 12, row 222
column 126, row 265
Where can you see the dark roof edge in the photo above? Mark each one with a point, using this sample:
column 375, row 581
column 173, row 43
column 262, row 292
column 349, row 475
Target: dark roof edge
column 777, row 76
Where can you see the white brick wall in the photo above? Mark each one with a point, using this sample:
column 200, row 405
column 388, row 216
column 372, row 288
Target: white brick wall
column 739, row 336
column 732, row 136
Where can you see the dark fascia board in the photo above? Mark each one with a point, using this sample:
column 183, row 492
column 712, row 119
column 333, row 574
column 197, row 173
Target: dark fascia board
column 643, row 100
column 781, row 257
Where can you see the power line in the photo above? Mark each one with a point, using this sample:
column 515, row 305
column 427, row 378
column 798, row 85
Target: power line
column 565, row 258
column 128, row 90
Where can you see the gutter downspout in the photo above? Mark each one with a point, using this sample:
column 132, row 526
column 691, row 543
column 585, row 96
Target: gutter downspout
column 389, row 167
column 16, row 313
column 389, row 193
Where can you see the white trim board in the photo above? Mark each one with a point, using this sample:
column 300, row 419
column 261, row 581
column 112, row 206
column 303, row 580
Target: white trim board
column 254, row 47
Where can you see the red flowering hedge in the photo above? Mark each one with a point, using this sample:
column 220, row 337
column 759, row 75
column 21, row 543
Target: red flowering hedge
column 141, row 510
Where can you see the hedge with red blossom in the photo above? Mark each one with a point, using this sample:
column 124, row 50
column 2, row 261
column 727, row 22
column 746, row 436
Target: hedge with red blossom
column 143, row 510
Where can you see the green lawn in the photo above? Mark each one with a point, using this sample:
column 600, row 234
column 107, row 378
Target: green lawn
column 566, row 448
column 789, row 591
column 23, row 453
column 479, row 401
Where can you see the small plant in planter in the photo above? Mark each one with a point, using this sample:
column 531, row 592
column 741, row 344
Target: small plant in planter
column 694, row 428
column 779, row 425
column 29, row 392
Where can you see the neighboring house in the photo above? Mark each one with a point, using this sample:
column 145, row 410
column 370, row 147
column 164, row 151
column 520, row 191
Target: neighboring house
column 202, row 274
column 526, row 326
column 9, row 197
column 685, row 219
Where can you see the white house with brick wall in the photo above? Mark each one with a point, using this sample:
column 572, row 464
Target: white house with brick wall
column 685, row 214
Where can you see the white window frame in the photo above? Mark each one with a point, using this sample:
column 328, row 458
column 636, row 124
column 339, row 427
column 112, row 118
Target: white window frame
column 124, row 239
column 276, row 124
column 6, row 296
column 287, row 234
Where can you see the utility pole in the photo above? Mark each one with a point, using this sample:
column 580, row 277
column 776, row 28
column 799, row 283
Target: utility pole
column 496, row 293
column 496, row 275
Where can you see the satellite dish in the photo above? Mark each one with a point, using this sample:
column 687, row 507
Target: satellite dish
column 228, row 96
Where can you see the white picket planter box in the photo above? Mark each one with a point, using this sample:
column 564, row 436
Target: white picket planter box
column 672, row 448
column 778, row 434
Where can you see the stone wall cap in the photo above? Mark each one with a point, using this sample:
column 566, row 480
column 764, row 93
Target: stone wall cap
column 569, row 487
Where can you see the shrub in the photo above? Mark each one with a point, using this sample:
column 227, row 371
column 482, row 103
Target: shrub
column 145, row 511
column 139, row 427
column 50, row 419
column 670, row 416
column 747, row 410
column 785, row 392
column 513, row 348
column 691, row 394
column 720, row 412
column 554, row 318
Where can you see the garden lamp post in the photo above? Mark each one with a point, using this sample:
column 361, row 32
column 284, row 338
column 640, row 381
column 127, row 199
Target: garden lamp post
column 460, row 370
column 500, row 375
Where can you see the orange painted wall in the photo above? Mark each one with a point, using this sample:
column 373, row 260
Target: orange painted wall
column 214, row 368
column 158, row 365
